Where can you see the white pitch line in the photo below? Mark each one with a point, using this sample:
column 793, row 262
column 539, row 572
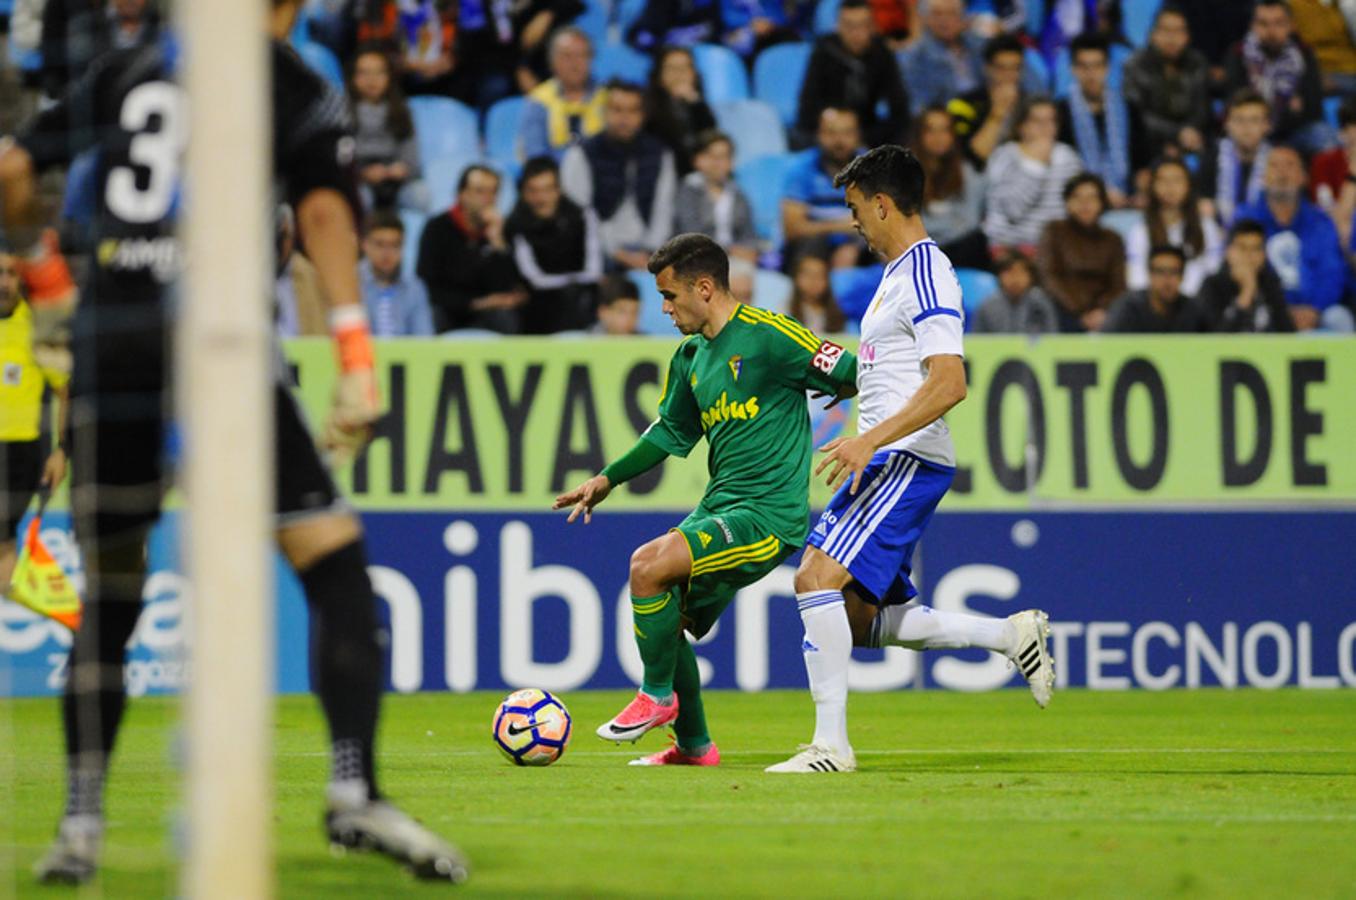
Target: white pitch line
column 911, row 751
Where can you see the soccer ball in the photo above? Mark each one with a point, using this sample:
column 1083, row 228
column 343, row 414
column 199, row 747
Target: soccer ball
column 532, row 727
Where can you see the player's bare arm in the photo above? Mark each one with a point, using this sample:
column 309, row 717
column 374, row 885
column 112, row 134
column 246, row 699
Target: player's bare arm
column 328, row 230
column 943, row 388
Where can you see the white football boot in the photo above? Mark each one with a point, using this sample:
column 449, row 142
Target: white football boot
column 1031, row 656
column 814, row 758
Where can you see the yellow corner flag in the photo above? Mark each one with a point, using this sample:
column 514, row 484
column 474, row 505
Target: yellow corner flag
column 39, row 582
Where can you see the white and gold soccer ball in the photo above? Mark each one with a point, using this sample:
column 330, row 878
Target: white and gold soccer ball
column 532, row 727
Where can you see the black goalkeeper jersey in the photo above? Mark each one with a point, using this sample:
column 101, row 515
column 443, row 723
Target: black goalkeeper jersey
column 129, row 110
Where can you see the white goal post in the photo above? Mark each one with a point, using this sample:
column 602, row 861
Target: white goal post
column 224, row 370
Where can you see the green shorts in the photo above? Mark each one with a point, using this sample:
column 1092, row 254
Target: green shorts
column 730, row 550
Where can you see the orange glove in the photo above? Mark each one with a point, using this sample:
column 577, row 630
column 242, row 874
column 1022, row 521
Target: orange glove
column 357, row 401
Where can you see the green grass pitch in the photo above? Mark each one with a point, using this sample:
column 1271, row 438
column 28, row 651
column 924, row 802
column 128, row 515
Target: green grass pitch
column 1183, row 794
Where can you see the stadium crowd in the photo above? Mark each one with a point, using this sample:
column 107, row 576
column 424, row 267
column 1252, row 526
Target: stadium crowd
column 1094, row 165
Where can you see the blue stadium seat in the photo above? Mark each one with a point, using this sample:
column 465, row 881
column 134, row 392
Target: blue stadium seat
column 724, row 77
column 826, row 16
column 772, row 290
column 1330, row 107
column 501, row 130
column 761, row 180
column 854, row 288
column 414, row 228
column 322, row 60
column 1121, row 221
column 627, row 11
column 755, row 128
column 445, row 128
column 593, row 21
column 652, row 319
column 620, row 61
column 1137, row 20
column 1036, row 69
column 1035, row 16
column 442, row 173
column 976, row 286
column 777, row 75
column 1063, row 76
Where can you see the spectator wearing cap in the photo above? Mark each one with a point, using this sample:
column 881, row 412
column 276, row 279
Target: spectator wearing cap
column 1082, row 264
column 1167, row 85
column 1272, row 61
column 1161, row 308
column 1244, row 294
column 557, row 250
column 1302, row 245
column 397, row 304
column 1027, row 177
column 1019, row 306
column 852, row 68
column 1094, row 120
column 626, row 176
column 567, row 107
column 710, row 202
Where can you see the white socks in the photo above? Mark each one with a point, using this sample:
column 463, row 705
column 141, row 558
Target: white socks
column 828, row 651
column 920, row 627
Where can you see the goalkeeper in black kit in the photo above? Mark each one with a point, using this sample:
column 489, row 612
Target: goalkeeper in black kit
column 130, row 108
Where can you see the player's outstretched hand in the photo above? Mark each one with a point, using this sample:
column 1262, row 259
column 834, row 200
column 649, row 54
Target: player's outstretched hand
column 847, row 456
column 584, row 498
column 845, row 392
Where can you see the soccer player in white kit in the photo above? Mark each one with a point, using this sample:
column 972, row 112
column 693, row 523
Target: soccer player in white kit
column 853, row 583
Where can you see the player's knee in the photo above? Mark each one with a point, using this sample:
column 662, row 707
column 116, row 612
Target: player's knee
column 817, row 572
column 644, row 568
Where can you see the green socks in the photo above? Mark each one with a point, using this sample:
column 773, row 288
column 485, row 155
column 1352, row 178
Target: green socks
column 656, row 624
column 690, row 727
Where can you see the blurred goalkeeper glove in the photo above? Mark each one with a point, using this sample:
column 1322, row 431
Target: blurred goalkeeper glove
column 357, row 402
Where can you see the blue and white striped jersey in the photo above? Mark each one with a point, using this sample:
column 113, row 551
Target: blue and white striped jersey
column 915, row 314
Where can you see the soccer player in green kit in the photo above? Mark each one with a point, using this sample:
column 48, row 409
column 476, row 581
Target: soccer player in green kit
column 739, row 380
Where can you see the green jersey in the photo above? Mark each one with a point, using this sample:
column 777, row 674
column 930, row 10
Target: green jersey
column 744, row 391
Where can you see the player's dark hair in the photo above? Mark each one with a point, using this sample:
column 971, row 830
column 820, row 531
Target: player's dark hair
column 1002, row 43
column 617, row 287
column 538, row 165
column 1247, row 226
column 473, row 168
column 384, row 219
column 1089, row 40
column 692, row 256
column 1168, row 250
column 1083, row 178
column 890, row 170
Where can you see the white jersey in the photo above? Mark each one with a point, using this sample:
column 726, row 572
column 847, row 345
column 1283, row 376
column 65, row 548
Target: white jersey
column 916, row 313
